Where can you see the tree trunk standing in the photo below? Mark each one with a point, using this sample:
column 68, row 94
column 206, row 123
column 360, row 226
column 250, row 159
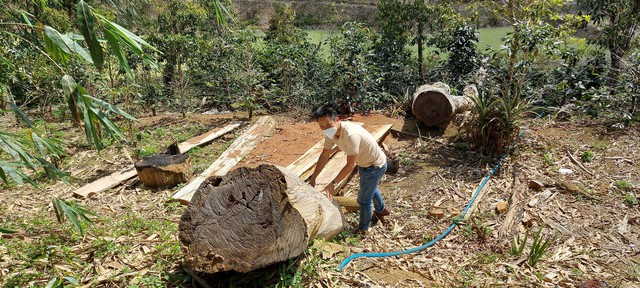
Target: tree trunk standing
column 515, row 46
column 168, row 75
column 614, row 70
column 420, row 56
column 252, row 218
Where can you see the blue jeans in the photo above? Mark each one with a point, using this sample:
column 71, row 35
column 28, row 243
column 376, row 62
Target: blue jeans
column 369, row 192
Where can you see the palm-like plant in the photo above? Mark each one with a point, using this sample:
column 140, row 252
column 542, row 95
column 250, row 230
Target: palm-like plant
column 497, row 119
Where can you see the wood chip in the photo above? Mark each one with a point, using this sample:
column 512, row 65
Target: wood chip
column 536, row 185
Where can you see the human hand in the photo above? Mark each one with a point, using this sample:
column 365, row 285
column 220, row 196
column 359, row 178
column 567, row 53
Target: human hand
column 312, row 182
column 329, row 190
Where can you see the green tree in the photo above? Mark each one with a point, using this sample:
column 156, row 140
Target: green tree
column 619, row 20
column 531, row 50
column 354, row 82
column 289, row 61
column 179, row 25
column 433, row 17
column 391, row 56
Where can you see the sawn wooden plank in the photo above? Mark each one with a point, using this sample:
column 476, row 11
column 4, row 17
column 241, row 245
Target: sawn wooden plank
column 241, row 147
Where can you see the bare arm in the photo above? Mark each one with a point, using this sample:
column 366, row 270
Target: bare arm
column 322, row 161
column 344, row 172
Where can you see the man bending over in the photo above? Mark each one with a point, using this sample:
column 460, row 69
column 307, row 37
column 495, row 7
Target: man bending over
column 362, row 150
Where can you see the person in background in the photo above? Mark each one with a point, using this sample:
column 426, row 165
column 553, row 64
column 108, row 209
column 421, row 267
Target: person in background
column 362, row 150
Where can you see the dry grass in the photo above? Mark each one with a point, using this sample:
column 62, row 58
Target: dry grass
column 134, row 242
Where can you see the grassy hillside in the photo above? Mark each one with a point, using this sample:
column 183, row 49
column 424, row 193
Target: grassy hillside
column 489, row 38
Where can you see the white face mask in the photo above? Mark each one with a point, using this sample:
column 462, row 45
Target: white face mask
column 330, row 132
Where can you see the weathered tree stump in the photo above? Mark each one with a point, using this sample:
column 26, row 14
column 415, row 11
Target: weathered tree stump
column 254, row 217
column 434, row 106
column 163, row 170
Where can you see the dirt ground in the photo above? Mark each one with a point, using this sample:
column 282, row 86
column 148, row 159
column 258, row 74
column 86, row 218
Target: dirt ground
column 593, row 230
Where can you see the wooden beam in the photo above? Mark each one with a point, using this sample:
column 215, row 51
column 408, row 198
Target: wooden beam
column 241, row 147
column 114, row 179
column 106, row 183
column 309, row 159
column 207, row 137
column 338, row 161
column 349, row 203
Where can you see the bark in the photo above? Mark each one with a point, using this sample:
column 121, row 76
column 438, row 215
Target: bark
column 420, row 55
column 252, row 218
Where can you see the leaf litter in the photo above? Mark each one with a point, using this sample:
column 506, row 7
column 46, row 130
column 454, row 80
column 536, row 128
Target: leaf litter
column 594, row 237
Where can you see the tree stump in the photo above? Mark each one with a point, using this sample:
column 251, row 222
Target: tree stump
column 163, row 170
column 434, row 106
column 252, row 218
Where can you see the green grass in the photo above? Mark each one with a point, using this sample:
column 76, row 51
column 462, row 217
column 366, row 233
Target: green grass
column 492, row 37
column 623, row 185
column 489, row 38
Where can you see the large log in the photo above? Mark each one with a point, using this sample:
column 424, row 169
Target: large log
column 254, row 217
column 163, row 170
column 241, row 147
column 434, row 106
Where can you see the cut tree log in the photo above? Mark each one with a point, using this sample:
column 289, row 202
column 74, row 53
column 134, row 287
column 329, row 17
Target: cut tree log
column 335, row 164
column 163, row 170
column 309, row 159
column 241, row 147
column 434, row 106
column 348, row 202
column 252, row 218
column 114, row 179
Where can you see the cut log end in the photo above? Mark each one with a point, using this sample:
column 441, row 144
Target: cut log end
column 163, row 170
column 432, row 107
column 242, row 221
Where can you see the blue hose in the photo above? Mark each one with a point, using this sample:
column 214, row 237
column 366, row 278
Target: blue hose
column 346, row 261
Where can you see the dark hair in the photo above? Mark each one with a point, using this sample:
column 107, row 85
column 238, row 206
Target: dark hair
column 326, row 110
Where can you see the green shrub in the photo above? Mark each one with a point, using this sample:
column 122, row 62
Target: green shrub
column 145, row 151
column 539, row 247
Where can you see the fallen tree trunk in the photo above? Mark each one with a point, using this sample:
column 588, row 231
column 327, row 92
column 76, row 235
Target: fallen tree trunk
column 254, row 217
column 434, row 106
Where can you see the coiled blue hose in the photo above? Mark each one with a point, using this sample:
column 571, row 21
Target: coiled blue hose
column 346, row 261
